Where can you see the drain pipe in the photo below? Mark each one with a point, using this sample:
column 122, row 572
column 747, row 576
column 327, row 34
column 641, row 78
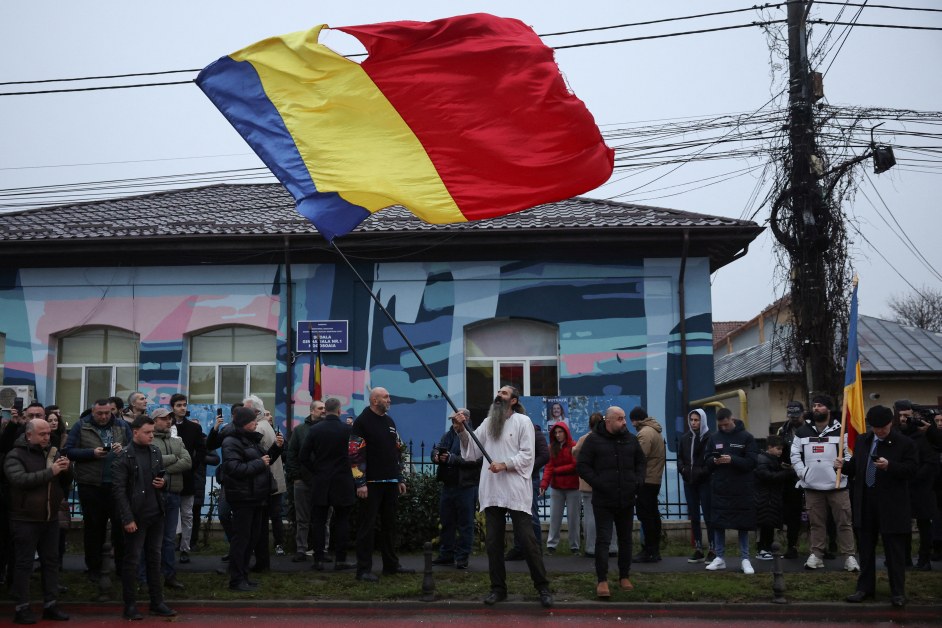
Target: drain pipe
column 681, row 293
column 289, row 339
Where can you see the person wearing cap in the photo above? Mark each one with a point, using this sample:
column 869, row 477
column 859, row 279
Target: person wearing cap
column 176, row 460
column 814, row 450
column 459, row 478
column 792, row 495
column 649, row 515
column 249, row 483
column 883, row 461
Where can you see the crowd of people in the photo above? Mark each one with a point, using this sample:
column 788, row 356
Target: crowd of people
column 144, row 477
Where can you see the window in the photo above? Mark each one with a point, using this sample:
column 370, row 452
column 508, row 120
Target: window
column 230, row 363
column 93, row 364
column 519, row 352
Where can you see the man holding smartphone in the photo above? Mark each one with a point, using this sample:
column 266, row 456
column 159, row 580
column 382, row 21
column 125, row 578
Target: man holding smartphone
column 139, row 482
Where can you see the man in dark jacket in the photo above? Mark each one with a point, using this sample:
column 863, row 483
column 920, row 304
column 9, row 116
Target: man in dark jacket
column 93, row 443
column 249, row 483
column 792, row 496
column 696, row 478
column 299, row 479
column 138, row 473
column 883, row 462
column 731, row 460
column 612, row 462
column 921, row 485
column 324, row 458
column 459, row 478
column 770, row 476
column 38, row 480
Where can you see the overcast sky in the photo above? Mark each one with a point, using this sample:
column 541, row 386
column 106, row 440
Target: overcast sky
column 68, row 138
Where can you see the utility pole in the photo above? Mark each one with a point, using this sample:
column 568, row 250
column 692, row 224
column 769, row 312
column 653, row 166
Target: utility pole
column 806, row 241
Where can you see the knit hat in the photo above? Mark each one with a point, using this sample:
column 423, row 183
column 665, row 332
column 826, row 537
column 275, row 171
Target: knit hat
column 637, row 414
column 824, row 400
column 879, row 416
column 243, row 416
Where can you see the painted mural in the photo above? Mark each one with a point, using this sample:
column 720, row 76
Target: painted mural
column 618, row 328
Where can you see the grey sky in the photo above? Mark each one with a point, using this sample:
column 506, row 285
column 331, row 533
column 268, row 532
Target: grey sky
column 146, row 132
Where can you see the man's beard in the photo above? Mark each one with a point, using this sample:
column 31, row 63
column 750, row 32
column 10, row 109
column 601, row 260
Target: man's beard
column 821, row 417
column 496, row 418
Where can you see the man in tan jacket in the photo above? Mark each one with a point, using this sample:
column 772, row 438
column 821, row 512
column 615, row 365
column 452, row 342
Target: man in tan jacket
column 652, row 444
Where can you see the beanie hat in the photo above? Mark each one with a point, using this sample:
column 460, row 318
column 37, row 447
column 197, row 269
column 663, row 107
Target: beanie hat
column 879, row 416
column 243, row 416
column 824, row 400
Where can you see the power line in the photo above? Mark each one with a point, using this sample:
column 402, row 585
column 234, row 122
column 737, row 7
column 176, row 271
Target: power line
column 95, row 78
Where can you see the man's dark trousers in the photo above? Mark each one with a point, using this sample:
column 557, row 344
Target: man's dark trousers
column 894, row 546
column 381, row 502
column 247, row 525
column 456, row 511
column 97, row 508
column 650, row 518
column 148, row 541
column 28, row 538
column 622, row 519
column 495, row 521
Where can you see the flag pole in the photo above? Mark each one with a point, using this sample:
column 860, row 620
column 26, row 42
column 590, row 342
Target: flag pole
column 840, row 443
column 415, row 351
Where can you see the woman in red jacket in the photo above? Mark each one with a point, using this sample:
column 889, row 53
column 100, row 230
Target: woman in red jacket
column 560, row 475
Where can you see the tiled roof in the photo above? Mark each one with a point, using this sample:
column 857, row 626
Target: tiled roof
column 721, row 329
column 886, row 348
column 268, row 209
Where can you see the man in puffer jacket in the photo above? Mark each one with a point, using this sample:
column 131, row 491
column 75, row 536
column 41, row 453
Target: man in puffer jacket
column 560, row 475
column 249, row 483
column 696, row 476
column 814, row 450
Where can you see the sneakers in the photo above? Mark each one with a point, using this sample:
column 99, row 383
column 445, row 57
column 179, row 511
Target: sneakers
column 697, row 557
column 764, row 555
column 747, row 567
column 851, row 564
column 717, row 564
column 814, row 562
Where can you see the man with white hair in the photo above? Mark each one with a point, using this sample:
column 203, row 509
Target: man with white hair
column 505, row 489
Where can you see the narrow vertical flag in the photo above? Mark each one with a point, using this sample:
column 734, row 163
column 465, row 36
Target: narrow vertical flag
column 315, row 386
column 458, row 119
column 853, row 386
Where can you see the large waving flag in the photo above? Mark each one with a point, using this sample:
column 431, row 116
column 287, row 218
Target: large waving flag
column 458, row 119
column 853, row 416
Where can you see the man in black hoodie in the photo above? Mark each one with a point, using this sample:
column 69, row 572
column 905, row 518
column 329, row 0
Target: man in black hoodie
column 696, row 478
column 612, row 462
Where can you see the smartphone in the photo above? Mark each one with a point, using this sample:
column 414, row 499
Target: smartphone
column 218, row 411
column 18, row 404
column 160, row 474
column 874, row 457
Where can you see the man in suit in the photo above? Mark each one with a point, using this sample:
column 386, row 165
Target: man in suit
column 883, row 462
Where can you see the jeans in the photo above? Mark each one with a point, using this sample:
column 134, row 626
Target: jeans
column 495, row 519
column 719, row 543
column 381, row 502
column 28, row 538
column 147, row 540
column 171, row 517
column 186, row 522
column 571, row 500
column 456, row 511
column 97, row 509
column 699, row 498
column 622, row 519
column 303, row 498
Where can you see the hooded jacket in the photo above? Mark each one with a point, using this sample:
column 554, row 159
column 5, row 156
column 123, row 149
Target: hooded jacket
column 560, row 472
column 733, row 484
column 690, row 454
column 35, row 492
column 813, row 455
column 652, row 444
column 613, row 465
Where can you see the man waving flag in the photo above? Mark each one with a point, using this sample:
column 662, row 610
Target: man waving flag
column 458, row 119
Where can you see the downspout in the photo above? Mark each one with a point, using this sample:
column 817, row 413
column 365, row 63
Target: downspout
column 681, row 293
column 289, row 335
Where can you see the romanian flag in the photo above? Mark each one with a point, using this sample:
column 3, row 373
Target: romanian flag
column 853, row 386
column 459, row 119
column 315, row 384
